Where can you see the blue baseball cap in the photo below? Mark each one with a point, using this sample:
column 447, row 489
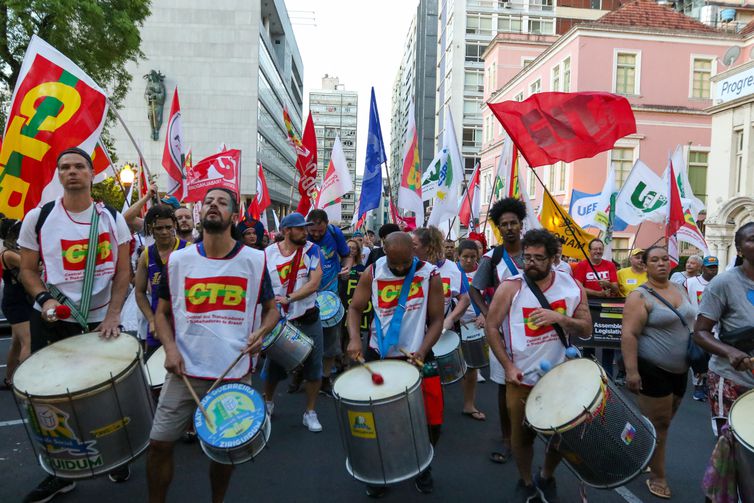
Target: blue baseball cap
column 358, row 234
column 710, row 261
column 294, row 220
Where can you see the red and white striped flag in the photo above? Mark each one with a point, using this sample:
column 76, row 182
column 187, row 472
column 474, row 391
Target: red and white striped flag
column 262, row 197
column 173, row 156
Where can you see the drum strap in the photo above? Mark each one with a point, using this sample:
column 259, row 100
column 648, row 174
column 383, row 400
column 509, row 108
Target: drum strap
column 394, row 330
column 295, row 265
column 546, row 304
column 81, row 312
column 465, row 283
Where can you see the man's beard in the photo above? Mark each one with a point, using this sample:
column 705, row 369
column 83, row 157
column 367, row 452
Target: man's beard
column 214, row 226
column 536, row 275
column 298, row 242
column 185, row 229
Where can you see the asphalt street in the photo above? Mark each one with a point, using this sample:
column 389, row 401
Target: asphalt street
column 298, row 465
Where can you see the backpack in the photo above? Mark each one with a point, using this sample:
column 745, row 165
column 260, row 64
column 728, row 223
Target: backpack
column 47, row 208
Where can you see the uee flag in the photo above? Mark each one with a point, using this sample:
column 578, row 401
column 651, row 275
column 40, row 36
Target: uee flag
column 557, row 221
column 410, row 190
column 307, row 168
column 551, row 127
column 470, row 203
column 173, row 155
column 55, row 105
column 262, row 197
column 337, row 181
column 216, row 171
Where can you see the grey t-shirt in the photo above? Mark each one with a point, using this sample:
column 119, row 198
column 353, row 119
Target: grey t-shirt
column 729, row 300
column 485, row 275
column 664, row 339
column 678, row 277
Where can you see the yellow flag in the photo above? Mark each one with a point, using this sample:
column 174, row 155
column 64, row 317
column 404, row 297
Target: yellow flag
column 555, row 222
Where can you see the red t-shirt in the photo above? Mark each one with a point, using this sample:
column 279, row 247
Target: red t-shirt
column 585, row 275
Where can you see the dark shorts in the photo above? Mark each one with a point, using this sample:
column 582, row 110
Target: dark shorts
column 44, row 333
column 312, row 368
column 17, row 311
column 658, row 383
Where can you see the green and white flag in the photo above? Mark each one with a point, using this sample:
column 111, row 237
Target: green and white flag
column 432, row 175
column 642, row 197
column 445, row 205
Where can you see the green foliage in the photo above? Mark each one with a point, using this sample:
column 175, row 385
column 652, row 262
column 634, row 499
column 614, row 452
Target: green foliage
column 101, row 36
column 109, row 192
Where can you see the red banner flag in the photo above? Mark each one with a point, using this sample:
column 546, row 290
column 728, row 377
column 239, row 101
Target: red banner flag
column 262, row 198
column 173, row 157
column 216, row 171
column 551, row 127
column 143, row 189
column 471, row 204
column 55, row 106
column 101, row 162
column 307, row 169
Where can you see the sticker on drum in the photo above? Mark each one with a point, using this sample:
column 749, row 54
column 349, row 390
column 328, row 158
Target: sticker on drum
column 471, row 332
column 237, row 412
column 329, row 304
column 269, row 339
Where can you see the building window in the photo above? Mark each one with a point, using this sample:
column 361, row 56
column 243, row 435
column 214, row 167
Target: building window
column 472, row 137
column 595, row 4
column 535, row 87
column 470, row 108
column 738, row 137
column 622, row 159
column 519, row 97
column 555, row 78
column 701, row 74
column 474, row 53
column 567, row 75
column 473, row 81
column 698, row 162
column 539, row 25
column 626, row 73
column 561, row 177
column 531, row 187
column 525, row 62
column 492, row 82
column 479, row 24
column 509, row 24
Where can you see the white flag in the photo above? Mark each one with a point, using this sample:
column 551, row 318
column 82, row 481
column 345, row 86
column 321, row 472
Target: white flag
column 277, row 222
column 531, row 221
column 600, row 218
column 334, row 212
column 642, row 197
column 688, row 199
column 337, row 181
column 445, row 205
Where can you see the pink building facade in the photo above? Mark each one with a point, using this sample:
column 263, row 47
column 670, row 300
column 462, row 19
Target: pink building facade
column 661, row 60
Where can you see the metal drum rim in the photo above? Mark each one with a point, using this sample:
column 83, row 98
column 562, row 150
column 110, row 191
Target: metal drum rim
column 198, row 413
column 736, row 435
column 380, row 401
column 265, row 431
column 431, row 456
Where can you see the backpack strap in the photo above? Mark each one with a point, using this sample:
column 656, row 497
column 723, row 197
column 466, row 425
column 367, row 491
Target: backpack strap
column 43, row 214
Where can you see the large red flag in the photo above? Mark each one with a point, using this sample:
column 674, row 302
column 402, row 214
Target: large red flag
column 262, row 198
column 216, row 171
column 173, row 156
column 470, row 205
column 676, row 219
column 551, row 127
column 307, row 168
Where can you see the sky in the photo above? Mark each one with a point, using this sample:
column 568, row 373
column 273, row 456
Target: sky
column 361, row 42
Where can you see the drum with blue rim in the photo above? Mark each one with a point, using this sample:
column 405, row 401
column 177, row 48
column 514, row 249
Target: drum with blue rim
column 238, row 427
column 331, row 309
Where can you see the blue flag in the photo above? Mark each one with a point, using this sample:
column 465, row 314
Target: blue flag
column 371, row 183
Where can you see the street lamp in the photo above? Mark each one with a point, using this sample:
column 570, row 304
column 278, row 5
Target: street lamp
column 127, row 175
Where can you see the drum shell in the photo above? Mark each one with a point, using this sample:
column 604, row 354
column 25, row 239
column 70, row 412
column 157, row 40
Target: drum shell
column 335, row 318
column 475, row 352
column 386, row 456
column 452, row 366
column 114, row 418
column 743, row 450
column 241, row 453
column 290, row 347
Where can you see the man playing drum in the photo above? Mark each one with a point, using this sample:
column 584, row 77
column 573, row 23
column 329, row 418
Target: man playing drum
column 209, row 297
column 529, row 338
column 336, row 262
column 59, row 235
column 416, row 333
column 295, row 272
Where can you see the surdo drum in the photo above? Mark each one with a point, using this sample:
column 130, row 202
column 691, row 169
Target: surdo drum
column 331, row 309
column 155, row 369
column 87, row 402
column 450, row 362
column 603, row 438
column 741, row 421
column 474, row 347
column 287, row 345
column 384, row 427
column 239, row 427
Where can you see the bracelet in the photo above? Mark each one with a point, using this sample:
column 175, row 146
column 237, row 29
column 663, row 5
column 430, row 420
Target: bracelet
column 43, row 297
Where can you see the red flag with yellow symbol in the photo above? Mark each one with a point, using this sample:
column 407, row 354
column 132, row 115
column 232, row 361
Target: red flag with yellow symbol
column 55, row 106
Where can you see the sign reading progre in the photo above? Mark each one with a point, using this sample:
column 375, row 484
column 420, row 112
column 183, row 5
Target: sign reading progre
column 735, row 86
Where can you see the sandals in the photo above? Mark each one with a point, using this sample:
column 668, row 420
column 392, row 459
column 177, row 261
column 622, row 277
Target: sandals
column 501, row 457
column 659, row 489
column 475, row 414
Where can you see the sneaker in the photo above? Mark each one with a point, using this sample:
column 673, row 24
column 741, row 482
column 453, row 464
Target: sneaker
column 548, row 490
column 480, row 377
column 700, row 395
column 49, row 488
column 311, row 421
column 524, row 493
column 326, row 387
column 122, row 473
column 376, row 491
column 424, row 483
column 270, row 408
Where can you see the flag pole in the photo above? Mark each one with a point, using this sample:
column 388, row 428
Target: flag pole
column 636, row 236
column 290, row 196
column 465, row 196
column 566, row 221
column 389, row 193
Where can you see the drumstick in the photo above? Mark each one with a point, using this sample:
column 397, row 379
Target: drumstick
column 196, row 399
column 416, row 360
column 230, row 367
column 376, row 377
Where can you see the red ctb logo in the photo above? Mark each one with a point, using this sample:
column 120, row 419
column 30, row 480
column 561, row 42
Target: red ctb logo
column 223, row 293
column 531, row 329
column 388, row 291
column 284, row 270
column 74, row 252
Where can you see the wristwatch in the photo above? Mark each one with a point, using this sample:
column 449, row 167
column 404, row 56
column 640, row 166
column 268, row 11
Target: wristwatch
column 287, row 297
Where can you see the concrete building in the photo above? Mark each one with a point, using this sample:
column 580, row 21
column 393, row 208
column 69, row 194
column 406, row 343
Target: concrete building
column 730, row 187
column 236, row 64
column 660, row 59
column 334, row 113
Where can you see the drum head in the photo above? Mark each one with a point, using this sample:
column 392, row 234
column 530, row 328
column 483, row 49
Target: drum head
column 447, row 343
column 329, row 304
column 75, row 364
column 269, row 339
column 237, row 412
column 562, row 394
column 741, row 419
column 156, row 371
column 356, row 384
column 471, row 332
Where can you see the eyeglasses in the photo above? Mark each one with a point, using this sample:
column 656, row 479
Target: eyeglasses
column 535, row 258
